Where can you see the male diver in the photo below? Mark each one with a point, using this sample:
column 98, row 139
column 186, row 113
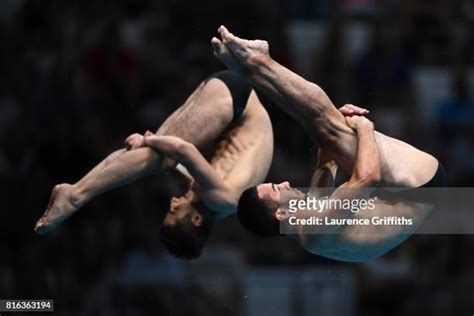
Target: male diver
column 223, row 121
column 371, row 158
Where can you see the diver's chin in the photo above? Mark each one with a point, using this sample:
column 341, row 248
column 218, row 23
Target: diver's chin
column 294, row 193
column 298, row 194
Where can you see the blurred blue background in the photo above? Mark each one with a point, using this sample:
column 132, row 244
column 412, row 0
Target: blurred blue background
column 77, row 77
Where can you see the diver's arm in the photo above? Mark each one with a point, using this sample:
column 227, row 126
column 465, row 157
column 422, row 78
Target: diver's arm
column 325, row 174
column 367, row 170
column 364, row 180
column 366, row 173
column 189, row 156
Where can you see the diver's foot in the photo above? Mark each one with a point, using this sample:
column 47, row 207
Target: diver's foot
column 62, row 205
column 225, row 56
column 250, row 54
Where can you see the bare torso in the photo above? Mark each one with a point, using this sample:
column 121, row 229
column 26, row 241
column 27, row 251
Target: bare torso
column 360, row 243
column 244, row 152
column 241, row 156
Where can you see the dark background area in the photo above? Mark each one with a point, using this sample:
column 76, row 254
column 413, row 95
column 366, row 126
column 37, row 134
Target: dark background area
column 77, row 77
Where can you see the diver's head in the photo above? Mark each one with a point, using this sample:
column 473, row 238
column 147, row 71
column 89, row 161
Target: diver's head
column 186, row 226
column 259, row 209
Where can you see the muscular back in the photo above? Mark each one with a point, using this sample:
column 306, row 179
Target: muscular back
column 244, row 152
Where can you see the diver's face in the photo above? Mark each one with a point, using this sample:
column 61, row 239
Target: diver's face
column 180, row 207
column 272, row 191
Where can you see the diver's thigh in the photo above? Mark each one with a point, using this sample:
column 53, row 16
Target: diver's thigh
column 204, row 115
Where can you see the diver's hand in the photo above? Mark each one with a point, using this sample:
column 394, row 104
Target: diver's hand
column 357, row 122
column 350, row 110
column 136, row 140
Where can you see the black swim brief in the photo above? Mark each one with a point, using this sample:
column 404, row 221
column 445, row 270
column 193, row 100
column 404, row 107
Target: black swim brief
column 239, row 88
column 439, row 180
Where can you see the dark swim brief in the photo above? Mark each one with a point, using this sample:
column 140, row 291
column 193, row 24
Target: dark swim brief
column 239, row 89
column 439, row 180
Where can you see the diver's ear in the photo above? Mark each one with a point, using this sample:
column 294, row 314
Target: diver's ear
column 197, row 219
column 281, row 214
column 284, row 185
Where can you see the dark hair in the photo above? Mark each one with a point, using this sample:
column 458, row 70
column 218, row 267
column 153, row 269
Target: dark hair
column 185, row 240
column 258, row 215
